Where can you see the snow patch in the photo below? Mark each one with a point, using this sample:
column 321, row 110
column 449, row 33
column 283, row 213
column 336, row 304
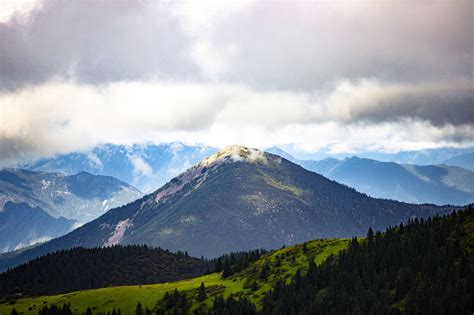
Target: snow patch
column 235, row 153
column 118, row 233
column 45, row 184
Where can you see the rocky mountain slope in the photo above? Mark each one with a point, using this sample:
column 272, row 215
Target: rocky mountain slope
column 82, row 197
column 38, row 206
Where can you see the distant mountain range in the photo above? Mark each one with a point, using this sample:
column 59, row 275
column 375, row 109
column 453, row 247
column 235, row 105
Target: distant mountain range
column 418, row 157
column 237, row 199
column 438, row 184
column 35, row 206
column 146, row 166
column 464, row 160
column 22, row 225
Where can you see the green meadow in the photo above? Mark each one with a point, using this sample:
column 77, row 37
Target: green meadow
column 281, row 264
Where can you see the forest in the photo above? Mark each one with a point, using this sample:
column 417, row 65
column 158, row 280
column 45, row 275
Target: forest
column 89, row 268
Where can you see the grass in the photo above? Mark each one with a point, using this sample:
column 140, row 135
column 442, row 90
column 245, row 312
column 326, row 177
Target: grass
column 282, row 264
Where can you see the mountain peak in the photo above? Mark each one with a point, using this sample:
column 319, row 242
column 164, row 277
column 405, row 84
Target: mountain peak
column 235, row 153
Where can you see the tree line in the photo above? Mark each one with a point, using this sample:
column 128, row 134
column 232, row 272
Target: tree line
column 90, row 268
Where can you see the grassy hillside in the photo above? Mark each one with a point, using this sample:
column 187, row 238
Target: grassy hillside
column 281, row 264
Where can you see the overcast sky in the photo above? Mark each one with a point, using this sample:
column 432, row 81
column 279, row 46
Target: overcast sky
column 345, row 75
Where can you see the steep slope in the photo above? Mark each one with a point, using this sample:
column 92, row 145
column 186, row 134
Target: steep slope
column 238, row 199
column 464, row 160
column 82, row 197
column 146, row 166
column 22, row 225
column 438, row 184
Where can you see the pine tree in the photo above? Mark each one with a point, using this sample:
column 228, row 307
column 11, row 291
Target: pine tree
column 139, row 309
column 264, row 272
column 202, row 293
column 227, row 269
column 254, row 286
column 218, row 267
column 370, row 235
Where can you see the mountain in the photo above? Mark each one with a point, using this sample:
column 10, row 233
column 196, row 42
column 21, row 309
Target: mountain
column 38, row 206
column 419, row 157
column 80, row 197
column 145, row 166
column 238, row 199
column 438, row 184
column 464, row 160
column 22, row 225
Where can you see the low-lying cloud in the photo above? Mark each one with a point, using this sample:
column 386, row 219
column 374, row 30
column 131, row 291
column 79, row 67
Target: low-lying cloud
column 65, row 116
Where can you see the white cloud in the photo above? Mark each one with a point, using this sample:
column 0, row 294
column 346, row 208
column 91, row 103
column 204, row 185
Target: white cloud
column 17, row 9
column 94, row 159
column 140, row 167
column 61, row 117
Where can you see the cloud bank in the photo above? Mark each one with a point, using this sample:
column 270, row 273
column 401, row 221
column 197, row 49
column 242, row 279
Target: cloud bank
column 389, row 75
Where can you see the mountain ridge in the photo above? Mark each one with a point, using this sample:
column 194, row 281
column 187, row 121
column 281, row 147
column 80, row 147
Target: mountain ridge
column 438, row 184
column 235, row 200
column 48, row 197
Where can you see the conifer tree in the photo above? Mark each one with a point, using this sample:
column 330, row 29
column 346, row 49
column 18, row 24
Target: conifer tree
column 227, row 269
column 202, row 293
column 139, row 309
column 264, row 272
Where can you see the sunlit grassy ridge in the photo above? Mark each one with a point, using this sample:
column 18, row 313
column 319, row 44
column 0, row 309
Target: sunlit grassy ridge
column 281, row 264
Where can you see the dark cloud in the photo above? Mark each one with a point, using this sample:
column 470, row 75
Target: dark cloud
column 94, row 42
column 300, row 45
column 303, row 45
column 444, row 103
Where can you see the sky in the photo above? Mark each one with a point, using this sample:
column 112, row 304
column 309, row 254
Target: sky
column 344, row 76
